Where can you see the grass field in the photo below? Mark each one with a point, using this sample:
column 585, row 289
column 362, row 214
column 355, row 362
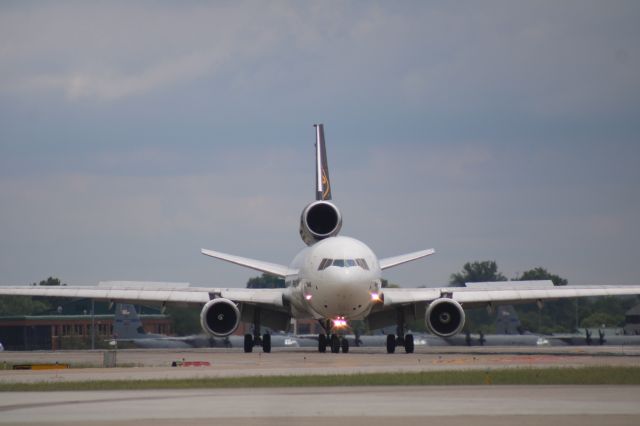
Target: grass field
column 521, row 376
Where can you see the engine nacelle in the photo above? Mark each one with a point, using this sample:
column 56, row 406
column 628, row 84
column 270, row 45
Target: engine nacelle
column 444, row 317
column 319, row 220
column 220, row 317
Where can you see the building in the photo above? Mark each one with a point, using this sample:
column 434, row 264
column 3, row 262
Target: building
column 56, row 332
column 632, row 321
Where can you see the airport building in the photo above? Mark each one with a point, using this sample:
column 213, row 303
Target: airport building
column 632, row 321
column 71, row 326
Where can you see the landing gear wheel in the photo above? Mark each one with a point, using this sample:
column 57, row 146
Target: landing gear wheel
column 391, row 343
column 266, row 343
column 335, row 344
column 322, row 343
column 248, row 343
column 345, row 345
column 408, row 344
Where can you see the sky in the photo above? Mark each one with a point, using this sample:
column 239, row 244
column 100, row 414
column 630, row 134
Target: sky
column 133, row 134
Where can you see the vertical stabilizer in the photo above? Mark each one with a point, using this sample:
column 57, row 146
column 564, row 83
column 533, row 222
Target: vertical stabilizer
column 127, row 323
column 323, row 185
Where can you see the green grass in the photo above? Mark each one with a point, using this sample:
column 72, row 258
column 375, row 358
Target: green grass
column 520, row 376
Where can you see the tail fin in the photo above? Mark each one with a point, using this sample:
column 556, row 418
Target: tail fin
column 127, row 322
column 323, row 185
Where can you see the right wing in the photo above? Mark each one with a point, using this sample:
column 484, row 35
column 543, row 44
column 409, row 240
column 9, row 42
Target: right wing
column 148, row 292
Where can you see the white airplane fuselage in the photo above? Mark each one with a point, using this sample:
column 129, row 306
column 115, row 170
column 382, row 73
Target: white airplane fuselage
column 338, row 278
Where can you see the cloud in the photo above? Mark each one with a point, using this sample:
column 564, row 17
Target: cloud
column 115, row 85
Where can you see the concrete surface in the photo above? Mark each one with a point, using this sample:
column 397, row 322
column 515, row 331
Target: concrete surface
column 156, row 363
column 371, row 406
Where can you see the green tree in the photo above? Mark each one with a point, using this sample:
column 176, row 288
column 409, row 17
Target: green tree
column 386, row 284
column 478, row 319
column 22, row 305
column 603, row 320
column 555, row 316
column 265, row 281
column 477, row 272
column 49, row 282
column 540, row 273
column 26, row 305
column 185, row 320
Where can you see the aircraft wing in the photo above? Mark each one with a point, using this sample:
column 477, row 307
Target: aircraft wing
column 390, row 262
column 147, row 292
column 259, row 265
column 502, row 293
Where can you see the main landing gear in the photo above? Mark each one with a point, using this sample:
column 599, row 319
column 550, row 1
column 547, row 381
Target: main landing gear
column 256, row 340
column 333, row 341
column 251, row 341
column 400, row 339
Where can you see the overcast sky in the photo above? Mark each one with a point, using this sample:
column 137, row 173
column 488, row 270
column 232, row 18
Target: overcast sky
column 132, row 134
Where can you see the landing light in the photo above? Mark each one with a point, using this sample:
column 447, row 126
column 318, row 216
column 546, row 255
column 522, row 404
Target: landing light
column 375, row 297
column 339, row 322
column 308, row 296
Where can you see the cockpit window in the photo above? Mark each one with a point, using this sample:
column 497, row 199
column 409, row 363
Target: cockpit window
column 362, row 263
column 343, row 263
column 324, row 264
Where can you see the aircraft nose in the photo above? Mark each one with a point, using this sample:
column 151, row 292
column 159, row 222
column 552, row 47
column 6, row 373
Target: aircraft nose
column 347, row 293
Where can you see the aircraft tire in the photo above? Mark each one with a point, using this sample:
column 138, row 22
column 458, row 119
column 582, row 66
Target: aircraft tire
column 344, row 343
column 322, row 343
column 248, row 343
column 266, row 343
column 408, row 344
column 391, row 343
column 335, row 344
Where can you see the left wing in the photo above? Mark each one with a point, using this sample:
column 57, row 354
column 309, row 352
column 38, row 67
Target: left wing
column 390, row 262
column 502, row 293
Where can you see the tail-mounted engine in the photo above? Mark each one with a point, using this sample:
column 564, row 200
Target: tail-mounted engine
column 444, row 317
column 319, row 220
column 220, row 317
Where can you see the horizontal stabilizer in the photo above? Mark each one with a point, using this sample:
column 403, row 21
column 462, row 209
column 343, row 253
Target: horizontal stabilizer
column 269, row 268
column 390, row 262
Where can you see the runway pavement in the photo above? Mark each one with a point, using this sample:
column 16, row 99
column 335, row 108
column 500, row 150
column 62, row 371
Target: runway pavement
column 371, row 406
column 149, row 364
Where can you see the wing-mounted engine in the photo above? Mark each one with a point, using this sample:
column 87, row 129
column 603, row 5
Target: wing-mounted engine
column 444, row 317
column 319, row 220
column 220, row 317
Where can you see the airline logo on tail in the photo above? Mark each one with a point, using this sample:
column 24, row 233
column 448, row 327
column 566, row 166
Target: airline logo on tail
column 323, row 184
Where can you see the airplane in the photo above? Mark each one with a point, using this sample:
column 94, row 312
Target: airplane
column 333, row 280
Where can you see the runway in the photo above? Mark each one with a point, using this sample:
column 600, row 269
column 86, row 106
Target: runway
column 451, row 405
column 152, row 364
column 371, row 406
